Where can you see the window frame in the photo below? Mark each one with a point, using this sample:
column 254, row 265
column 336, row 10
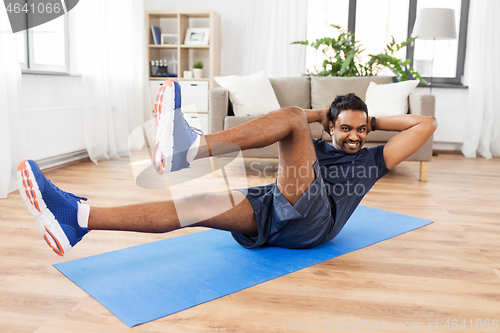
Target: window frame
column 410, row 49
column 29, row 67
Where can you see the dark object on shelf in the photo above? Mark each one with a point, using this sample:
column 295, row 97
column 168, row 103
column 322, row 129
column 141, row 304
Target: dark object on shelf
column 158, row 71
column 159, row 68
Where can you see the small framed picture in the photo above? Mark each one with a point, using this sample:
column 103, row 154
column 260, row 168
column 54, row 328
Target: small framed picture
column 168, row 39
column 197, row 36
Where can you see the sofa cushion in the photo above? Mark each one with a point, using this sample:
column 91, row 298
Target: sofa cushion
column 293, row 91
column 250, row 95
column 380, row 136
column 324, row 89
column 389, row 99
column 230, row 122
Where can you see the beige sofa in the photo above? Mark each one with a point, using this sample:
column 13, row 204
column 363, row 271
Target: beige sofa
column 312, row 92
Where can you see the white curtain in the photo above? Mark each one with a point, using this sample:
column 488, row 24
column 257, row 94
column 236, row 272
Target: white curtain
column 12, row 140
column 110, row 55
column 482, row 72
column 273, row 25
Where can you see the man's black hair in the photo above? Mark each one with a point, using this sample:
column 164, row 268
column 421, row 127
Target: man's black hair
column 346, row 102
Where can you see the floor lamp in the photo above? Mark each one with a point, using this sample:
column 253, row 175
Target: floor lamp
column 435, row 23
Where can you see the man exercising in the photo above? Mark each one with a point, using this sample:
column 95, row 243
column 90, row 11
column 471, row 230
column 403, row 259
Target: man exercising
column 299, row 210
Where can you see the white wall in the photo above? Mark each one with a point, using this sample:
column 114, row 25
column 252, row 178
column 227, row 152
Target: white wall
column 451, row 110
column 52, row 115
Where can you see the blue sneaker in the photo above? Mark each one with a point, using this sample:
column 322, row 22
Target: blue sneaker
column 174, row 136
column 55, row 211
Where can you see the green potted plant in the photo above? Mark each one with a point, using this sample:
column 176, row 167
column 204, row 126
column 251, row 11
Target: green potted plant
column 342, row 57
column 198, row 69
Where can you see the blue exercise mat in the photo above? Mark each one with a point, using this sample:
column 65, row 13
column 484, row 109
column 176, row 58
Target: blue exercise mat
column 146, row 282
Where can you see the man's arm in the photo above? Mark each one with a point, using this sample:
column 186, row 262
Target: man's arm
column 321, row 116
column 414, row 131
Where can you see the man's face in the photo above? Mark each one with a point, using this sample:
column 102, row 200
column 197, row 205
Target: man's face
column 349, row 131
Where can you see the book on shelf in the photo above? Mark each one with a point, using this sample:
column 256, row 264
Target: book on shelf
column 156, row 32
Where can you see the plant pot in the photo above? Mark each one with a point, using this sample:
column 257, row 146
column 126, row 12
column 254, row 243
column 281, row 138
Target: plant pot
column 198, row 73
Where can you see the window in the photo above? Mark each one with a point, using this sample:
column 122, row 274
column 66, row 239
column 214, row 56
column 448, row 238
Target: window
column 45, row 47
column 374, row 22
column 376, row 34
column 448, row 55
column 320, row 15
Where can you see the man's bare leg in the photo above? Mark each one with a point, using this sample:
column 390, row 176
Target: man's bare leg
column 289, row 127
column 159, row 217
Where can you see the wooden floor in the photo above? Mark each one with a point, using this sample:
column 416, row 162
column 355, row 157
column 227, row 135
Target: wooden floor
column 445, row 271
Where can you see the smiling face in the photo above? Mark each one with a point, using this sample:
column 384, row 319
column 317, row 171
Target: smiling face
column 349, row 131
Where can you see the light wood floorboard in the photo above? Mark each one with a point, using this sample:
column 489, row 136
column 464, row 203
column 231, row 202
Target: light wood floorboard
column 447, row 270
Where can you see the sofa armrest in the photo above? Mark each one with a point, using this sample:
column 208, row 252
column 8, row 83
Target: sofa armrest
column 218, row 104
column 423, row 105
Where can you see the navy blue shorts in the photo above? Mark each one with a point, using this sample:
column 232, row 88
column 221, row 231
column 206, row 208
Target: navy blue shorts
column 303, row 225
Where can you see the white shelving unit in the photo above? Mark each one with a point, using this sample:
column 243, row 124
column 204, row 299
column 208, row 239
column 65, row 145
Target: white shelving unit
column 177, row 23
column 194, row 91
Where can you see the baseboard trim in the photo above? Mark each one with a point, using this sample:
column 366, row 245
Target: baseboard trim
column 54, row 161
column 442, row 151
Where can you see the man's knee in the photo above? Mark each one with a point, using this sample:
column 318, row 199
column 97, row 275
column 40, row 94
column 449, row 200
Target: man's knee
column 296, row 115
column 194, row 210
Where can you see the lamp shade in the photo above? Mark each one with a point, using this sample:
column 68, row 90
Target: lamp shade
column 435, row 23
